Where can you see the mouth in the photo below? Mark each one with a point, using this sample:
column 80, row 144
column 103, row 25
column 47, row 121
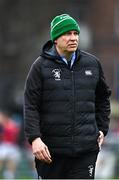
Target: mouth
column 72, row 45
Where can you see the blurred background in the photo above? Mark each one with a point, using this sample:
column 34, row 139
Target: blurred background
column 24, row 28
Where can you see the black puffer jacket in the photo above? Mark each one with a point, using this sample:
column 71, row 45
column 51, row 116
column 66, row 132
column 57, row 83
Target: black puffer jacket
column 66, row 107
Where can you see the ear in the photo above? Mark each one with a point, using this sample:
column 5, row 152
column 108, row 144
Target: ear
column 55, row 41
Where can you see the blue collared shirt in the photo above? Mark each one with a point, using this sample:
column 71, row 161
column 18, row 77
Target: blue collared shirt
column 73, row 57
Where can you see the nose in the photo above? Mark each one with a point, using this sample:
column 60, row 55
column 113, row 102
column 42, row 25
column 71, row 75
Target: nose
column 73, row 37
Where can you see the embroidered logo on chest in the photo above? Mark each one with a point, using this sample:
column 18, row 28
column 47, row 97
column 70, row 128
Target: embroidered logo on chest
column 88, row 73
column 57, row 74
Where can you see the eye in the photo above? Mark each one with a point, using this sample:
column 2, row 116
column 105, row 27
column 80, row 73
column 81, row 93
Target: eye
column 68, row 33
column 76, row 33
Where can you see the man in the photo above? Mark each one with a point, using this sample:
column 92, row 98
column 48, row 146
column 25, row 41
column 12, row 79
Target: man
column 67, row 105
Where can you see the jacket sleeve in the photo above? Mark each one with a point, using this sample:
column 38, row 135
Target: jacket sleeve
column 102, row 103
column 32, row 98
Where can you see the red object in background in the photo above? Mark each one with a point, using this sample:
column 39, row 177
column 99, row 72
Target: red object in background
column 10, row 132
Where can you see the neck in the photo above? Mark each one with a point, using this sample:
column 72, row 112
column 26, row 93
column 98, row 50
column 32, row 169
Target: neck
column 68, row 56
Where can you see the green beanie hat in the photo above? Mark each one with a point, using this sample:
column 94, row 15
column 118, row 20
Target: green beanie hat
column 62, row 24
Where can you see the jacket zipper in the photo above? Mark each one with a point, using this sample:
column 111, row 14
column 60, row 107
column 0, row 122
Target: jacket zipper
column 73, row 107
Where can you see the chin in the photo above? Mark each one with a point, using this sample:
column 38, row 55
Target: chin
column 72, row 49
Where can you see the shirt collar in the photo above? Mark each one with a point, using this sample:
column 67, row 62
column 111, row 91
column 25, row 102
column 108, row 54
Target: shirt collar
column 73, row 57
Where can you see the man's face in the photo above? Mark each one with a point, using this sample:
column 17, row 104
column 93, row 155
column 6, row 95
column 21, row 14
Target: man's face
column 68, row 42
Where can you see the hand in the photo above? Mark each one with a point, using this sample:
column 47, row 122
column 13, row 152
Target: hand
column 100, row 139
column 40, row 150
